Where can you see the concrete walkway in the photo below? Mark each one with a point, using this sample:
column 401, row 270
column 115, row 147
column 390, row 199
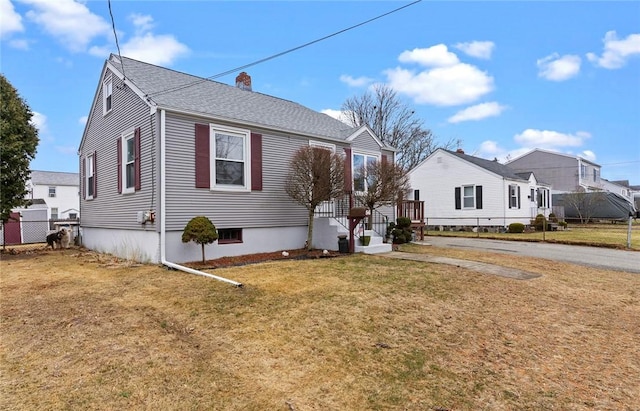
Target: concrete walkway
column 470, row 265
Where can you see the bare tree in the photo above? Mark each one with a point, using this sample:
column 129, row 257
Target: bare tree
column 315, row 175
column 584, row 204
column 385, row 182
column 394, row 123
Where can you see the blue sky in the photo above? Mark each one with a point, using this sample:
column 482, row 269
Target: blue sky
column 503, row 77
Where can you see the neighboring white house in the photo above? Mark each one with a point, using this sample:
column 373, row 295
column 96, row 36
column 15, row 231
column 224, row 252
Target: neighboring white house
column 59, row 190
column 463, row 190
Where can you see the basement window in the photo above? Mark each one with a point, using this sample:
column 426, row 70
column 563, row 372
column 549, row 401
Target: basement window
column 229, row 235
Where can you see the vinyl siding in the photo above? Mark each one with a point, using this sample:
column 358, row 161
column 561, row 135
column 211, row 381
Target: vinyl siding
column 560, row 171
column 270, row 207
column 365, row 141
column 437, row 181
column 109, row 209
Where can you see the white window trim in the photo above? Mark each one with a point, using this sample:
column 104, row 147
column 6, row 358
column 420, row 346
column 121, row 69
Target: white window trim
column 54, row 191
column 129, row 134
column 366, row 154
column 108, row 81
column 513, row 195
column 473, row 192
column 246, row 136
column 89, row 173
column 321, row 144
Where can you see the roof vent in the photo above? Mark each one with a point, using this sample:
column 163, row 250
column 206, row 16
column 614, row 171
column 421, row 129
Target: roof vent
column 243, row 81
column 461, row 151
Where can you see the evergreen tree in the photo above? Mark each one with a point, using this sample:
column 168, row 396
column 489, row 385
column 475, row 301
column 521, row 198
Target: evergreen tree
column 18, row 144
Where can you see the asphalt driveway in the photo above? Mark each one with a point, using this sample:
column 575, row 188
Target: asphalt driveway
column 605, row 258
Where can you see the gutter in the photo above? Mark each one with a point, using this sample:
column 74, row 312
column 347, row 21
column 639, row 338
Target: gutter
column 163, row 233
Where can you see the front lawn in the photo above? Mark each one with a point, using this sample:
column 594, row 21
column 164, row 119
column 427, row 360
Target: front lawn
column 86, row 331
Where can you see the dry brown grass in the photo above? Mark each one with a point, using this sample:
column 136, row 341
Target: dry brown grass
column 85, row 331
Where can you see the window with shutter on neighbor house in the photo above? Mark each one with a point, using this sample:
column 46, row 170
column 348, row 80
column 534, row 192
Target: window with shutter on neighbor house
column 468, row 197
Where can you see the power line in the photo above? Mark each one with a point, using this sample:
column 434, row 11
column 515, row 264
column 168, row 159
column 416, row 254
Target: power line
column 224, row 73
column 113, row 25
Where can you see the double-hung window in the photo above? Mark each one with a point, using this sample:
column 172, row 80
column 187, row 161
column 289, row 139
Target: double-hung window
column 90, row 167
column 230, row 150
column 128, row 162
column 361, row 162
column 468, row 197
column 52, row 191
column 107, row 94
column 514, row 196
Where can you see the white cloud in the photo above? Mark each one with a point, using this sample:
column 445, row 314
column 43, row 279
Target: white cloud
column 477, row 112
column 83, row 120
column 161, row 49
column 337, row 114
column 559, row 68
column 39, row 121
column 71, row 22
column 445, row 82
column 355, row 82
column 616, row 52
column 490, row 147
column 434, row 56
column 588, row 155
column 549, row 139
column 442, row 86
column 142, row 22
column 478, row 49
column 10, row 21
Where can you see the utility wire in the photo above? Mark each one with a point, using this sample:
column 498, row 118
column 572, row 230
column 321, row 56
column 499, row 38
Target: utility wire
column 113, row 25
column 170, row 90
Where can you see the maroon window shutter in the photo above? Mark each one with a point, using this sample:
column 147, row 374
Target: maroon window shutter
column 384, row 160
column 95, row 175
column 256, row 161
column 348, row 177
column 136, row 164
column 83, row 178
column 202, row 156
column 119, row 163
column 457, row 191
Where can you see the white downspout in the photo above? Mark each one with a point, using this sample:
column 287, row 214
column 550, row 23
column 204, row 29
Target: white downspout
column 163, row 212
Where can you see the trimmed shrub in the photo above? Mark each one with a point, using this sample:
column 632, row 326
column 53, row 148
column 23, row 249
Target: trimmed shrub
column 402, row 230
column 539, row 222
column 516, row 228
column 200, row 230
column 562, row 224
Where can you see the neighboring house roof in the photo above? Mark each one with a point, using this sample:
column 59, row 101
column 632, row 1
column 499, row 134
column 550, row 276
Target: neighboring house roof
column 490, row 165
column 555, row 153
column 176, row 91
column 526, row 174
column 54, row 178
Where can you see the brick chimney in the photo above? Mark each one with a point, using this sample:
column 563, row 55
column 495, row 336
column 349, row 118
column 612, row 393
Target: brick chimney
column 243, row 81
column 461, row 151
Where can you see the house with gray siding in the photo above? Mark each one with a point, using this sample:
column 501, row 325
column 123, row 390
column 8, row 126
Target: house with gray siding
column 161, row 147
column 565, row 173
column 460, row 190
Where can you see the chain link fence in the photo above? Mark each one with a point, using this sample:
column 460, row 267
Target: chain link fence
column 24, row 235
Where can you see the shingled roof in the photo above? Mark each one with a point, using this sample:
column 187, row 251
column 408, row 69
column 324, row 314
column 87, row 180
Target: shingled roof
column 492, row 166
column 54, row 178
column 172, row 89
